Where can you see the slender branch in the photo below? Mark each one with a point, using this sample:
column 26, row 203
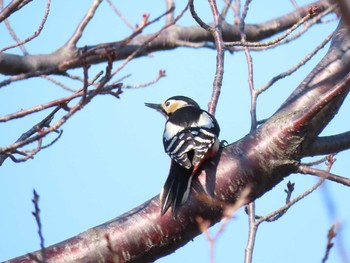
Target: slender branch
column 330, row 236
column 270, row 42
column 199, row 21
column 161, row 74
column 72, row 42
column 34, row 35
column 37, row 127
column 100, row 88
column 170, row 5
column 122, row 17
column 296, row 67
column 253, row 227
column 312, row 16
column 249, row 60
column 36, row 214
column 11, row 8
column 227, row 6
column 324, row 174
column 220, row 57
column 282, row 210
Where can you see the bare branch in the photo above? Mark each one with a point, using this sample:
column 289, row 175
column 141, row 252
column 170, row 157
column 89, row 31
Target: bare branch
column 11, row 8
column 36, row 214
column 282, row 210
column 296, row 67
column 249, row 60
column 170, row 5
column 34, row 35
column 248, row 255
column 121, row 15
column 35, row 129
column 199, row 21
column 220, row 57
column 271, row 42
column 161, row 74
column 331, row 235
column 72, row 42
column 329, row 144
column 324, row 174
column 307, row 21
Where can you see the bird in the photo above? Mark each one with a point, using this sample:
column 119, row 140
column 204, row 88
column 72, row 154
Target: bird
column 190, row 137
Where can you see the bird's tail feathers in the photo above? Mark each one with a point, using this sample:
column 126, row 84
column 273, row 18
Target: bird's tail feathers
column 176, row 188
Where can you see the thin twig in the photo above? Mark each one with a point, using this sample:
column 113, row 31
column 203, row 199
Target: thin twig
column 154, row 36
column 227, row 6
column 284, row 39
column 228, row 213
column 122, row 17
column 36, row 214
column 35, row 129
column 12, row 7
column 197, row 18
column 58, row 83
column 270, row 217
column 220, row 58
column 72, row 42
column 271, row 42
column 330, row 236
column 296, row 67
column 26, row 155
column 101, row 88
column 161, row 74
column 324, row 174
column 253, row 227
column 249, row 60
column 34, row 35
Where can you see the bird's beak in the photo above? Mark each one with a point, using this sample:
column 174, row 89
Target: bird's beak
column 157, row 107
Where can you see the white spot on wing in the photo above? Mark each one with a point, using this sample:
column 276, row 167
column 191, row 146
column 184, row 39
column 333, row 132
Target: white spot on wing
column 205, row 120
column 171, row 130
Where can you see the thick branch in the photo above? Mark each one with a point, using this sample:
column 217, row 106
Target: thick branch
column 171, row 38
column 329, row 144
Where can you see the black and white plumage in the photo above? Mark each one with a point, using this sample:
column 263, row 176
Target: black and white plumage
column 190, row 137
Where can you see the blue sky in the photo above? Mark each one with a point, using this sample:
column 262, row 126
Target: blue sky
column 110, row 157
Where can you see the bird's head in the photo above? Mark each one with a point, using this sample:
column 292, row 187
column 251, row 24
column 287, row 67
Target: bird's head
column 172, row 104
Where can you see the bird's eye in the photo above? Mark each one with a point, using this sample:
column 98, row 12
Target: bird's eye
column 167, row 104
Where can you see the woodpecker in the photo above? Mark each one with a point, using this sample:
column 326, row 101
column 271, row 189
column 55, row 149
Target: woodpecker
column 190, row 137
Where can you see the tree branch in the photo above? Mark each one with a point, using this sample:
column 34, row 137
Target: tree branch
column 72, row 42
column 329, row 144
column 64, row 59
column 323, row 174
column 11, row 8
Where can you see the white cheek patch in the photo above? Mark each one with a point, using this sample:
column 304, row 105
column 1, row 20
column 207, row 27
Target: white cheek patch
column 171, row 130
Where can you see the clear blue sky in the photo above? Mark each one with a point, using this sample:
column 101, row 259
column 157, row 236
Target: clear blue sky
column 110, row 157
